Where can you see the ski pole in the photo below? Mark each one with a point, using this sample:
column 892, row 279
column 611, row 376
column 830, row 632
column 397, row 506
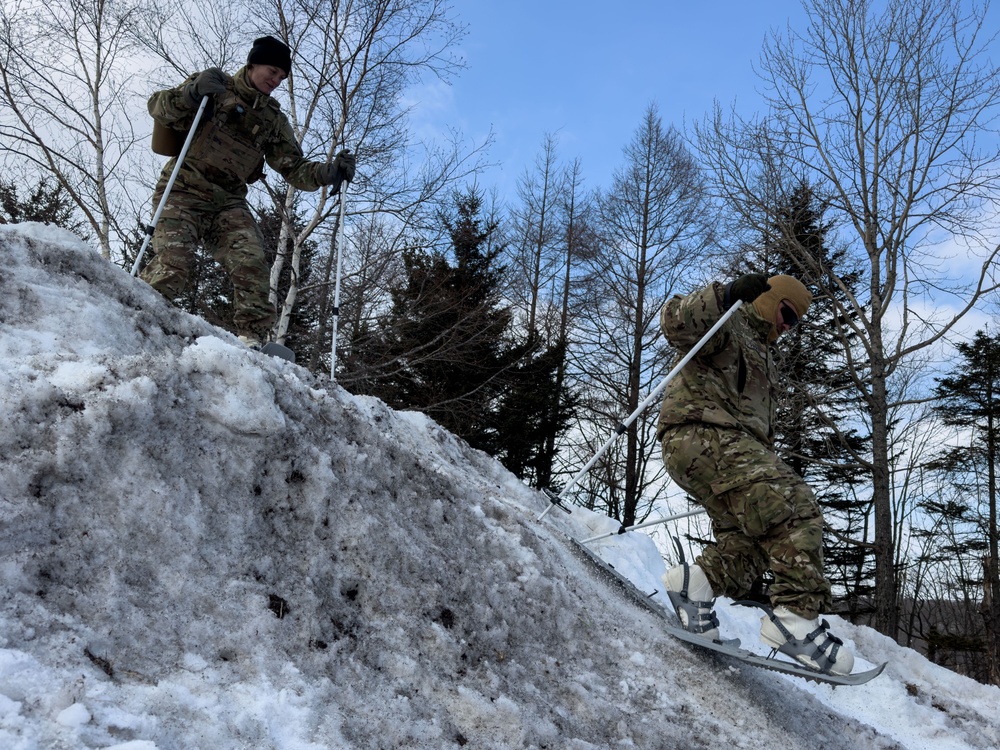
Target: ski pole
column 150, row 228
column 623, row 529
column 557, row 499
column 336, row 286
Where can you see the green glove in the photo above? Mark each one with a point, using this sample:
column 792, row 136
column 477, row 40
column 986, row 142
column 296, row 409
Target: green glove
column 746, row 288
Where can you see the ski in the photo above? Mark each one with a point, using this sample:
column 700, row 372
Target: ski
column 279, row 351
column 775, row 665
column 732, row 648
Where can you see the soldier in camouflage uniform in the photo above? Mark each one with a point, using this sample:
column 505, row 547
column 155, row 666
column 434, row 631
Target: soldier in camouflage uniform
column 716, row 427
column 241, row 129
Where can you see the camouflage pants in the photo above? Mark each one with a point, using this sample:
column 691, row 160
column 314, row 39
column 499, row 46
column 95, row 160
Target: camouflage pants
column 764, row 516
column 226, row 229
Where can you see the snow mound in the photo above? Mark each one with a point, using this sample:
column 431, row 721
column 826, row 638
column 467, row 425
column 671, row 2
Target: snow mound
column 201, row 546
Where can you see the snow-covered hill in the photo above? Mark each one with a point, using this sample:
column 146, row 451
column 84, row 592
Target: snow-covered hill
column 202, row 547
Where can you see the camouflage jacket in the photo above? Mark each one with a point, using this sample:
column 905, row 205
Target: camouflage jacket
column 229, row 150
column 729, row 381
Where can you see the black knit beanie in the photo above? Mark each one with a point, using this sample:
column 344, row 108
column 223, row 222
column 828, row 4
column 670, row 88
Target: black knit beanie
column 270, row 51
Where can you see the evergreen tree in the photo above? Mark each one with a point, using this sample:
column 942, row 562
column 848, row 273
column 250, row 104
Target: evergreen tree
column 814, row 415
column 969, row 399
column 446, row 333
column 813, row 427
column 46, row 204
column 209, row 291
column 534, row 412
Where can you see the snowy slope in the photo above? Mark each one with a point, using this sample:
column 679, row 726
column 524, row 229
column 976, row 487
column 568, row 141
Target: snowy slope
column 202, row 547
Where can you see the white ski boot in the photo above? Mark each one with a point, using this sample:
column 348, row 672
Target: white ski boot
column 693, row 599
column 809, row 642
column 251, row 342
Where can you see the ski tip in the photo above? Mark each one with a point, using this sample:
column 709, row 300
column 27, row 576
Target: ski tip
column 877, row 670
column 277, row 350
column 854, row 678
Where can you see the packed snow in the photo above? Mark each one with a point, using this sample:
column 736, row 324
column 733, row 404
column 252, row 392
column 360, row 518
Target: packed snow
column 204, row 547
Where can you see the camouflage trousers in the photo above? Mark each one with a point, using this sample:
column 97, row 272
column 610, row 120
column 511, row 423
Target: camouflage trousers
column 764, row 516
column 226, row 229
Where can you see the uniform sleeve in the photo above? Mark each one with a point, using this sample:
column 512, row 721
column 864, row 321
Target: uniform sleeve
column 685, row 320
column 284, row 156
column 171, row 107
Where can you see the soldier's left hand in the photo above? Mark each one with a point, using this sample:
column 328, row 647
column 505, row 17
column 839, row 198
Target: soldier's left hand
column 747, row 287
column 208, row 83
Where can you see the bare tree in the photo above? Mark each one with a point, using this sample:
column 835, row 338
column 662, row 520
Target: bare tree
column 968, row 398
column 536, row 228
column 188, row 37
column 943, row 592
column 66, row 72
column 373, row 267
column 354, row 62
column 579, row 242
column 552, row 232
column 655, row 227
column 882, row 111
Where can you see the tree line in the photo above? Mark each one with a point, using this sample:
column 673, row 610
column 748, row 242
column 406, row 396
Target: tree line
column 528, row 326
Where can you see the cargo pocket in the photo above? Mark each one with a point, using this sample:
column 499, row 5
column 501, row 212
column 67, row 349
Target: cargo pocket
column 758, row 508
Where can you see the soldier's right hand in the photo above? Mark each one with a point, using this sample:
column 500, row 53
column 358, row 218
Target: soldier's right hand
column 207, row 83
column 747, row 288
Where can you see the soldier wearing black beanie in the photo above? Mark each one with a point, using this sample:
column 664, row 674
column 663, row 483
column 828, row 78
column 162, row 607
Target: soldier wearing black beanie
column 270, row 51
column 243, row 131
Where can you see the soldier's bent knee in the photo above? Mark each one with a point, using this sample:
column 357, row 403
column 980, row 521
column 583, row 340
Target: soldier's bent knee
column 760, row 508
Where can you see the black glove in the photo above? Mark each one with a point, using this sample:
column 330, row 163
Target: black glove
column 747, row 288
column 208, row 82
column 341, row 170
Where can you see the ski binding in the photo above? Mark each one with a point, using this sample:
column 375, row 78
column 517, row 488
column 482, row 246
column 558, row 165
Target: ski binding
column 730, row 648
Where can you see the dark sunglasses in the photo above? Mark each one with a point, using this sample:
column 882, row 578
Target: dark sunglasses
column 789, row 315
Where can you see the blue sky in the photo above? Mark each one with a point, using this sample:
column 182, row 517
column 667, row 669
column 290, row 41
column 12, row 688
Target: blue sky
column 586, row 73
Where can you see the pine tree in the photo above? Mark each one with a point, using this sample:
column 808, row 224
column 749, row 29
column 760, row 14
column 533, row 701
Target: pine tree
column 46, row 204
column 534, row 412
column 813, row 431
column 969, row 399
column 443, row 347
column 209, row 291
